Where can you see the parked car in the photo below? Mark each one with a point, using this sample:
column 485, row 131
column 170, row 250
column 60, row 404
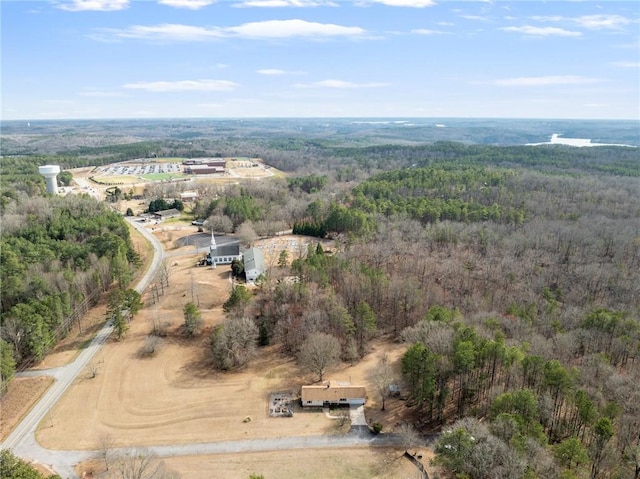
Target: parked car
column 197, row 222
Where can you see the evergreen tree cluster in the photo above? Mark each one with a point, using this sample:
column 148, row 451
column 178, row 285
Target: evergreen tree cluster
column 56, row 255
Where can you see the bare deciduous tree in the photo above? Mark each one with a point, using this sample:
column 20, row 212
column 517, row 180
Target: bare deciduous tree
column 246, row 233
column 140, row 464
column 233, row 344
column 93, row 369
column 318, row 353
column 382, row 378
column 106, row 443
column 409, row 435
column 220, row 224
column 151, row 345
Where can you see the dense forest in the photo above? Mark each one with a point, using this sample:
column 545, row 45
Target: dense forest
column 514, row 288
column 57, row 254
column 510, row 273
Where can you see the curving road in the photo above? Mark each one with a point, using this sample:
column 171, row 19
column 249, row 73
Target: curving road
column 22, row 439
column 23, row 443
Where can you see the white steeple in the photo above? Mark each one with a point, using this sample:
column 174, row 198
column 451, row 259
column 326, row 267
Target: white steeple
column 213, row 250
column 213, row 247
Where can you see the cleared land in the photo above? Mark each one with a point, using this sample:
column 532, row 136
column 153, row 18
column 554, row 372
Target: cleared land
column 370, row 463
column 176, row 397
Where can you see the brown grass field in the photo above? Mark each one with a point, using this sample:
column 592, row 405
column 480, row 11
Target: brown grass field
column 176, row 397
column 348, row 462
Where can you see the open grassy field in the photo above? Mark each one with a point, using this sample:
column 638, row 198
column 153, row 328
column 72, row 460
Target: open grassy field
column 176, row 397
column 162, row 176
column 343, row 463
column 118, row 179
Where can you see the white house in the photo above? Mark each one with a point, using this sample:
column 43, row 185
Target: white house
column 253, row 264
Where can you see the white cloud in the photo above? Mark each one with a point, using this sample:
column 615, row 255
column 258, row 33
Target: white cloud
column 255, row 30
column 184, row 85
column 592, row 22
column 474, row 18
column 93, row 5
column 546, row 81
column 407, row 3
column 101, row 93
column 425, row 31
column 169, row 31
column 626, row 64
column 339, row 84
column 542, row 31
column 554, row 18
column 293, row 28
column 271, row 71
column 285, row 3
column 598, row 22
column 188, row 4
column 277, row 71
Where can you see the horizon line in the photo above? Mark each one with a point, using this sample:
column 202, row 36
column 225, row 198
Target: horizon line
column 28, row 120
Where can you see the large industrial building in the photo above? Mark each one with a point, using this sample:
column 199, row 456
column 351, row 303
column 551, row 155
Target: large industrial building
column 204, row 166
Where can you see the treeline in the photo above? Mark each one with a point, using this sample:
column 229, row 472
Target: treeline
column 531, row 326
column 534, row 409
column 621, row 161
column 428, row 195
column 454, row 193
column 309, row 183
column 56, row 255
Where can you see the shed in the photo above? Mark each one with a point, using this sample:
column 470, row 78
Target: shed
column 164, row 214
column 253, row 264
column 189, row 196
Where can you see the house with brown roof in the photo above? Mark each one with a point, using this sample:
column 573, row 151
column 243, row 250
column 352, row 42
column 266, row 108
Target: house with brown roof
column 332, row 393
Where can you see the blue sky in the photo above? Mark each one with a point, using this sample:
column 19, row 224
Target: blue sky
column 67, row 59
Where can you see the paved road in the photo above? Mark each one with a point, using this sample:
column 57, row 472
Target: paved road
column 22, row 438
column 88, row 187
column 23, row 443
column 63, row 462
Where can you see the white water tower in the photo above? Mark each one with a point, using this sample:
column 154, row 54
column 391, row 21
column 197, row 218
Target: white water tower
column 50, row 172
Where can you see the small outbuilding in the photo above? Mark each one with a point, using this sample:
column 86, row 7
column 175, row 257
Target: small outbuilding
column 166, row 214
column 253, row 264
column 333, row 393
column 189, row 196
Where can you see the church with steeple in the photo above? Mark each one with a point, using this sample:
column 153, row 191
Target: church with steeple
column 222, row 254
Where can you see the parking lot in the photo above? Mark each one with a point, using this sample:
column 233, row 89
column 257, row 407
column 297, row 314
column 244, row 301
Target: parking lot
column 140, row 169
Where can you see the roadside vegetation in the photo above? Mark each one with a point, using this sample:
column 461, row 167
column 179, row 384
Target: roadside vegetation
column 511, row 274
column 12, row 467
